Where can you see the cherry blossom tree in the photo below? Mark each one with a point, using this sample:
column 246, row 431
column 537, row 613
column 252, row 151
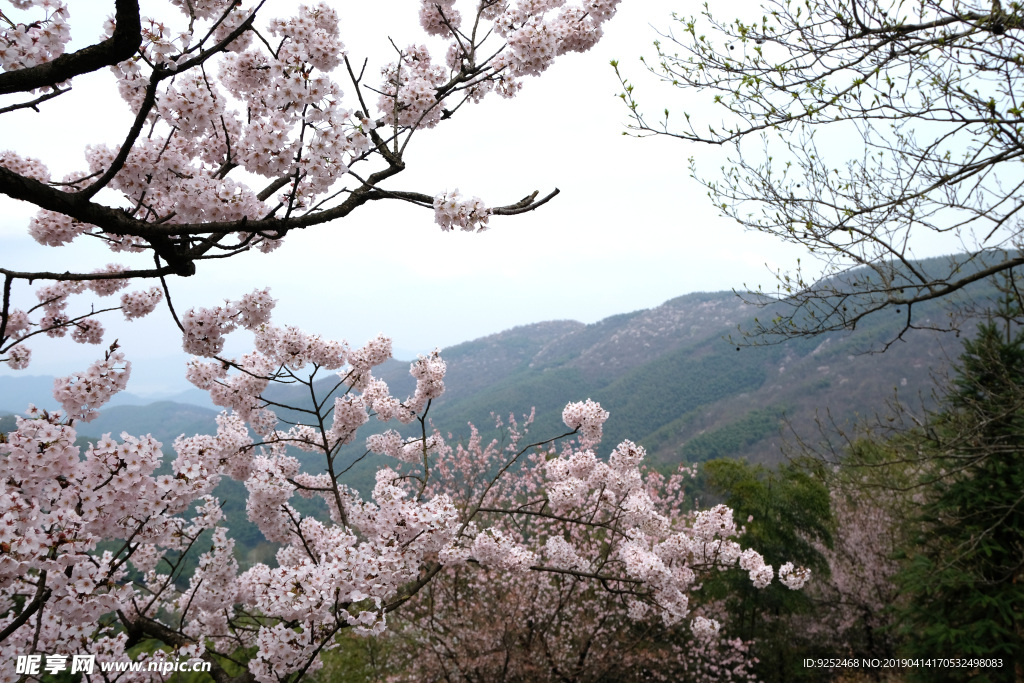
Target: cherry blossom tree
column 219, row 101
column 856, row 599
column 476, row 623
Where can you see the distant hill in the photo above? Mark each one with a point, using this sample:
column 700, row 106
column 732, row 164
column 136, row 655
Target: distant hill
column 165, row 420
column 668, row 378
column 18, row 391
column 674, row 385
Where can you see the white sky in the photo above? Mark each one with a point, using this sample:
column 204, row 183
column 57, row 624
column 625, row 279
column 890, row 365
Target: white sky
column 629, row 230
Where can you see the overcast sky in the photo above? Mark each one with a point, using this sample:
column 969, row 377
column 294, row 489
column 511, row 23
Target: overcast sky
column 629, row 230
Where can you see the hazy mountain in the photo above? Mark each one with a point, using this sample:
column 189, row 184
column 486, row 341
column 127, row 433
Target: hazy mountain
column 668, row 378
column 18, row 391
column 165, row 420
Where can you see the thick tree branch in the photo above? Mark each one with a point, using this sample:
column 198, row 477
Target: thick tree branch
column 144, row 627
column 126, row 40
column 86, row 277
column 42, row 595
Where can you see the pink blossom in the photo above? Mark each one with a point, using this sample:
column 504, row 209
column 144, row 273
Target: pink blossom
column 139, row 304
column 81, row 394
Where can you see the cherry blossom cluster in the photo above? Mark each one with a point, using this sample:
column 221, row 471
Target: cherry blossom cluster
column 204, row 328
column 408, row 93
column 24, row 45
column 761, row 574
column 18, row 324
column 82, row 394
column 19, row 357
column 540, row 579
column 389, row 443
column 705, row 628
column 283, row 651
column 159, row 41
column 378, row 397
column 429, row 372
column 492, row 548
column 141, row 303
column 451, row 211
column 310, row 37
column 535, row 39
column 363, row 360
column 561, row 554
column 792, row 577
column 109, row 286
column 55, row 229
column 269, row 490
column 589, row 418
column 439, row 17
column 24, row 166
column 89, row 331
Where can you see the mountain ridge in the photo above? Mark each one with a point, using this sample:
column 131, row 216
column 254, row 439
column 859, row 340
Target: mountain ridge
column 665, row 373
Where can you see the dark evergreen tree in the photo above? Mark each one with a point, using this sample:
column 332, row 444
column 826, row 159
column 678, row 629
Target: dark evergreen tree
column 962, row 581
